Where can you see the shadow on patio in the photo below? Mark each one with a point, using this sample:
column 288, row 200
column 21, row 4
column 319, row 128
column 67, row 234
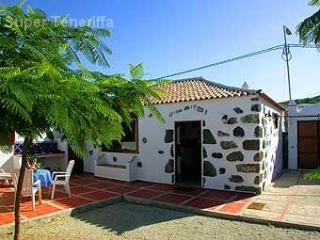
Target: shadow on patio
column 123, row 217
column 290, row 178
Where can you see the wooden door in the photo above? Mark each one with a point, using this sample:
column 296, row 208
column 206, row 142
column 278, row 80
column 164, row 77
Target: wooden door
column 308, row 144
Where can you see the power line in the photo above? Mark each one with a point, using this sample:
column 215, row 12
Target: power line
column 237, row 59
column 302, row 46
column 225, row 61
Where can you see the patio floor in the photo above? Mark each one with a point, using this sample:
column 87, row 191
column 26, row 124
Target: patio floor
column 290, row 199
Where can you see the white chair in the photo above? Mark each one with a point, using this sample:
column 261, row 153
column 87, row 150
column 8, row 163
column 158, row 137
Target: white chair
column 4, row 176
column 29, row 188
column 63, row 179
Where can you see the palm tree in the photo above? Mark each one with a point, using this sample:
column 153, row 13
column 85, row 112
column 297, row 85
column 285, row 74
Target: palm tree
column 309, row 29
column 44, row 85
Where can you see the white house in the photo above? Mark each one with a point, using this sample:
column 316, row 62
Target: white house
column 304, row 135
column 6, row 160
column 214, row 136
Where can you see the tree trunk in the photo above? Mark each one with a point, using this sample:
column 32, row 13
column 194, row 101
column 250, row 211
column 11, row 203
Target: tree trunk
column 26, row 152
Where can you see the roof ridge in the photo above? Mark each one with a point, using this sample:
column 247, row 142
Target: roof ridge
column 219, row 85
column 199, row 88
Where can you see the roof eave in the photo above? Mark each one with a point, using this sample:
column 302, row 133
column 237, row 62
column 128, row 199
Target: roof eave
column 271, row 101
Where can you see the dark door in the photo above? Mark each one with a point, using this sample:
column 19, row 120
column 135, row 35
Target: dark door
column 308, row 144
column 78, row 166
column 285, row 157
column 188, row 152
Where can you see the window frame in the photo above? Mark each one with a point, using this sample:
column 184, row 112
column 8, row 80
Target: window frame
column 136, row 136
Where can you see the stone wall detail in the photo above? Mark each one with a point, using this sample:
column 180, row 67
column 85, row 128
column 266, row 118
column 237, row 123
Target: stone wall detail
column 258, row 157
column 208, row 137
column 191, row 107
column 238, row 110
column 204, row 153
column 235, row 156
column 235, row 146
column 251, row 144
column 169, row 136
column 236, row 179
column 169, row 168
column 217, row 155
column 209, row 169
column 250, row 118
column 256, row 108
column 248, row 168
column 228, row 144
column 258, row 132
column 223, row 134
column 238, row 132
column 232, row 120
column 241, row 146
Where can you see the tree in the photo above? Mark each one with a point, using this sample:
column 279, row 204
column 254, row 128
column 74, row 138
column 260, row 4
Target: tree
column 44, row 85
column 309, row 29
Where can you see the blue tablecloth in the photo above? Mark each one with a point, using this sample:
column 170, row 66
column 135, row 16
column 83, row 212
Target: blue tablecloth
column 44, row 176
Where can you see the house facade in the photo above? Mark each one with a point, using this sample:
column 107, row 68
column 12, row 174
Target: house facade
column 303, row 136
column 214, row 136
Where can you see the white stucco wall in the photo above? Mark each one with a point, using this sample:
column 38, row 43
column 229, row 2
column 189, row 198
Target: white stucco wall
column 92, row 156
column 155, row 133
column 211, row 113
column 302, row 112
column 272, row 163
column 6, row 160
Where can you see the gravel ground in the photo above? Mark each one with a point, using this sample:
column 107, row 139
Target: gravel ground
column 130, row 221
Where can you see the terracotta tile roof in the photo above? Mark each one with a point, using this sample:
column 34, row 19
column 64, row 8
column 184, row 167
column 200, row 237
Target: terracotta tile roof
column 193, row 89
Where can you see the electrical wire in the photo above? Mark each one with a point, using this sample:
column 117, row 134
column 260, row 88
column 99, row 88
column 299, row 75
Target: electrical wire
column 238, row 58
column 225, row 61
column 302, row 46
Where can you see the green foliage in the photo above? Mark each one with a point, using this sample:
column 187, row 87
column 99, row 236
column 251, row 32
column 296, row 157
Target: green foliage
column 309, row 29
column 314, row 175
column 44, row 84
column 314, row 3
column 311, row 100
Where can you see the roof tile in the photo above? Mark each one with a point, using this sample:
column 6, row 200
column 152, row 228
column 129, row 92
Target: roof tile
column 198, row 88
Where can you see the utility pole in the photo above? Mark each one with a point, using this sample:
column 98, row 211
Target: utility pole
column 287, row 56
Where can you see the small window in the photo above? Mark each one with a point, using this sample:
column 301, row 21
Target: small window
column 128, row 143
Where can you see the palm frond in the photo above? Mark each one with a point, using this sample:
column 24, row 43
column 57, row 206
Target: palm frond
column 309, row 29
column 314, row 3
column 314, row 175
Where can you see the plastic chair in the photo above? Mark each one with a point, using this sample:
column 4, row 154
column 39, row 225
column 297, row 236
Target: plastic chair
column 29, row 188
column 63, row 179
column 4, row 176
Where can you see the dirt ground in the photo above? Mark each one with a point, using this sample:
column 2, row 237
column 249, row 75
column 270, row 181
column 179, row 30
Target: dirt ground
column 130, row 221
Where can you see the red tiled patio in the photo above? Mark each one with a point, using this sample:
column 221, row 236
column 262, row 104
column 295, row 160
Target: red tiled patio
column 288, row 200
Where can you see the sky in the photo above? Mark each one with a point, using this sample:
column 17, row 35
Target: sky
column 170, row 36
